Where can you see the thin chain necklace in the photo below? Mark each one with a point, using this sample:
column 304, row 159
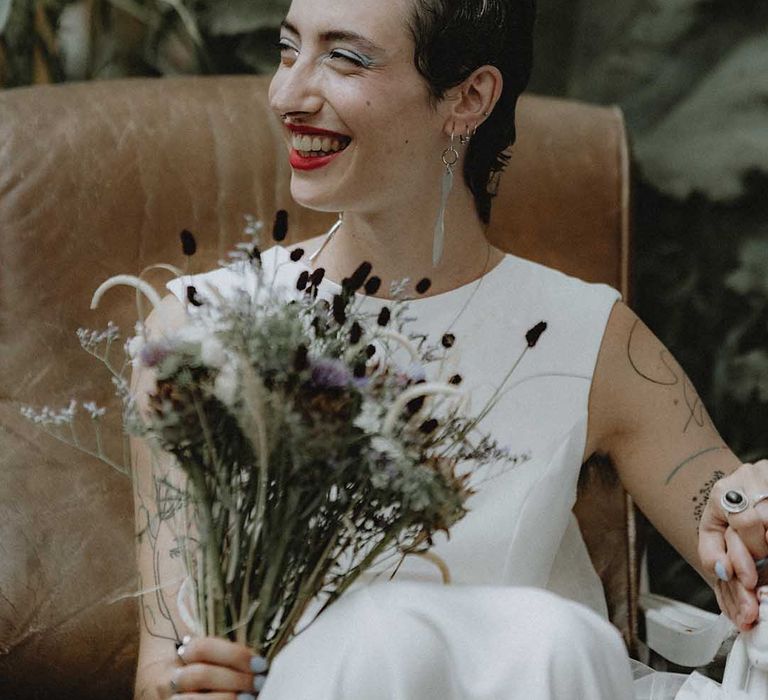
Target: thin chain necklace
column 337, row 225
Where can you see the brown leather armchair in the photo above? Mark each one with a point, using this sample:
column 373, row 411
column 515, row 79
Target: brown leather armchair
column 100, row 178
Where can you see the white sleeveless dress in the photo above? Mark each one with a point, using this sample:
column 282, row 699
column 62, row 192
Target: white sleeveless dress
column 525, row 616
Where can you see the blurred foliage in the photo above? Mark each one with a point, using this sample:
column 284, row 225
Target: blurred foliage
column 692, row 79
column 93, row 39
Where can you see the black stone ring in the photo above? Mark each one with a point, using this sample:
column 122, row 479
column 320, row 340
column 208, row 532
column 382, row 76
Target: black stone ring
column 734, row 501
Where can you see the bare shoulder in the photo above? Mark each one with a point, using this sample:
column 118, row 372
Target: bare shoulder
column 168, row 316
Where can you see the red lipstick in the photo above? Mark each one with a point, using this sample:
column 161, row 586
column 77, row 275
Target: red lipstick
column 299, row 162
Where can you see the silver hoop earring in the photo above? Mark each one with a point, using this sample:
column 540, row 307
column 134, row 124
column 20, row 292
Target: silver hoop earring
column 331, row 233
column 466, row 137
column 450, row 158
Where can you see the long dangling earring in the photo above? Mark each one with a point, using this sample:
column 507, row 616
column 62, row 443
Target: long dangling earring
column 328, row 236
column 450, row 158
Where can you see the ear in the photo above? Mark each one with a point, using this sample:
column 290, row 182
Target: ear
column 470, row 103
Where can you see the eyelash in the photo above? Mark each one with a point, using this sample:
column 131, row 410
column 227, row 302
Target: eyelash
column 359, row 62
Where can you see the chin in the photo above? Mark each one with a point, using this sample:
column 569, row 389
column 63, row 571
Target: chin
column 313, row 197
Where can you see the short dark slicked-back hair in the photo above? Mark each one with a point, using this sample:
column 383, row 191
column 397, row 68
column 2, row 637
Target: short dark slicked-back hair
column 455, row 37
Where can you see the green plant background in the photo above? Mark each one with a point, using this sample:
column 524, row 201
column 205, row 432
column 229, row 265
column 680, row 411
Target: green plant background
column 692, row 79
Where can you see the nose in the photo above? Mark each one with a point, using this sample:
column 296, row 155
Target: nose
column 294, row 90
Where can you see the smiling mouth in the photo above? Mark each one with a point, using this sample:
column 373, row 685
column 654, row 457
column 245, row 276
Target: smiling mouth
column 309, row 146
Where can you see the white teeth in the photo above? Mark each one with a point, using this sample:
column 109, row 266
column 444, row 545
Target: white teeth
column 305, row 143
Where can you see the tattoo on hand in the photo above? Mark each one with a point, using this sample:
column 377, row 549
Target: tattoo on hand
column 671, row 375
column 700, row 501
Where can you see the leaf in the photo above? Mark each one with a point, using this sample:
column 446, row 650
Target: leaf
column 691, row 78
column 718, row 134
column 5, row 13
column 244, row 16
column 749, row 376
column 751, row 277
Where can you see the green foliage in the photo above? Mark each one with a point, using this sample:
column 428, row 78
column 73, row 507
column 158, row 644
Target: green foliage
column 692, row 78
column 118, row 38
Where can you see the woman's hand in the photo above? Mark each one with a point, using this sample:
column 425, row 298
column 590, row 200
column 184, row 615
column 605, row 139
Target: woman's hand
column 733, row 543
column 216, row 669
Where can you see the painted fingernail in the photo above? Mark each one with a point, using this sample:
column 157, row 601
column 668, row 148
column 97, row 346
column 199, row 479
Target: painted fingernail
column 258, row 682
column 258, row 665
column 246, row 696
column 721, row 572
column 186, row 639
column 181, row 651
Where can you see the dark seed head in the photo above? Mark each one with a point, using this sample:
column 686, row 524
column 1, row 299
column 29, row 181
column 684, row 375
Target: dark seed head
column 280, row 229
column 339, row 309
column 301, row 282
column 429, row 426
column 372, row 285
column 255, row 254
column 533, row 335
column 384, row 316
column 359, row 370
column 192, row 297
column 297, row 254
column 300, row 359
column 456, row 379
column 422, row 287
column 317, row 276
column 415, row 404
column 188, row 243
column 359, row 276
column 448, row 340
column 370, row 351
column 355, row 333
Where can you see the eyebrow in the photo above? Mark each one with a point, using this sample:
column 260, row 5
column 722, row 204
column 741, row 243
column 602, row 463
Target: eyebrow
column 339, row 35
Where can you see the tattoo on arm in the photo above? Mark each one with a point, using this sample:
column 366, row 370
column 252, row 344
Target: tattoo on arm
column 155, row 612
column 690, row 459
column 670, row 376
column 700, row 500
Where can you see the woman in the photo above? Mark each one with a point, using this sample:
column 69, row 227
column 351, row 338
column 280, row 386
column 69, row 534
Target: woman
column 377, row 134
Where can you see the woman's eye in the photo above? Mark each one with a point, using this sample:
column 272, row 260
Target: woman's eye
column 350, row 57
column 286, row 49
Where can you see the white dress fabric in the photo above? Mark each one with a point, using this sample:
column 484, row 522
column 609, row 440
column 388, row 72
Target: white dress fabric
column 525, row 616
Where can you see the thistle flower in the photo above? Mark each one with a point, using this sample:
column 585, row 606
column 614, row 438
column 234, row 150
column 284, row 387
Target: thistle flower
column 153, row 353
column 330, row 374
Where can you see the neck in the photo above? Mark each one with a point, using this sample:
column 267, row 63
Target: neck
column 398, row 244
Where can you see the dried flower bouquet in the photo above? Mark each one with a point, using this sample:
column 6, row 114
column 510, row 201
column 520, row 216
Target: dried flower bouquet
column 309, row 449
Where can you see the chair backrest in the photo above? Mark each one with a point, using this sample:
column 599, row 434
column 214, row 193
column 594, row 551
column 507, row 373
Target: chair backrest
column 98, row 179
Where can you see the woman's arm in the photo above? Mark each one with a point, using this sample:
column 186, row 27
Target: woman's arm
column 646, row 415
column 203, row 663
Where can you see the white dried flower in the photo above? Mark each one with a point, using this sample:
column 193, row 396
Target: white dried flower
column 95, row 411
column 225, row 384
column 212, row 352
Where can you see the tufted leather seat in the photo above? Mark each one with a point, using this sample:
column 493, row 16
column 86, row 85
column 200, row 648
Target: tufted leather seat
column 98, row 179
